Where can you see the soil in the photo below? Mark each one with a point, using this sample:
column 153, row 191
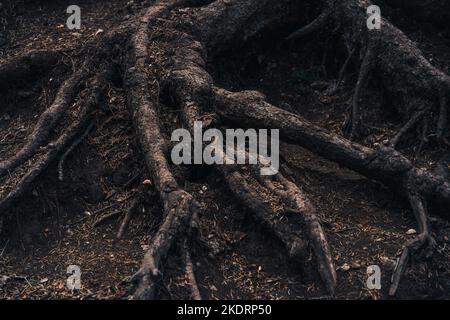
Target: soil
column 53, row 226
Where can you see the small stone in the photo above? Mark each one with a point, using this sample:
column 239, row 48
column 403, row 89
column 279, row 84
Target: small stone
column 345, row 267
column 411, row 232
column 147, row 182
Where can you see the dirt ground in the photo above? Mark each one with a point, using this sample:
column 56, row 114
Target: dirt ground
column 54, row 225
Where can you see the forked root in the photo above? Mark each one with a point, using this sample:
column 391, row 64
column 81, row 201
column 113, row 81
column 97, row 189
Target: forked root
column 286, row 225
column 179, row 206
column 47, row 121
column 51, row 151
column 423, row 245
column 250, row 109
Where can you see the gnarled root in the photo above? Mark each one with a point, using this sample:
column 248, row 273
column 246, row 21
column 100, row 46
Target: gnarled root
column 423, row 245
column 178, row 205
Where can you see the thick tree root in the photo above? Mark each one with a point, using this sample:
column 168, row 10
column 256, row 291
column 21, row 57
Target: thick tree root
column 283, row 220
column 384, row 165
column 191, row 86
column 275, row 202
column 407, row 76
column 178, row 205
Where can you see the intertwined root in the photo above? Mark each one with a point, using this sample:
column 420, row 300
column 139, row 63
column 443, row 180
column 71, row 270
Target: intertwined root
column 276, row 202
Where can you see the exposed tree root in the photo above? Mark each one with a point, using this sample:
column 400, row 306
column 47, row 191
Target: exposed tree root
column 106, row 217
column 50, row 152
column 178, row 205
column 319, row 23
column 70, row 149
column 363, row 78
column 342, row 72
column 385, row 165
column 275, row 202
column 48, row 119
column 408, row 126
column 424, row 244
column 407, row 76
column 190, row 274
column 190, row 84
column 296, row 211
column 127, row 218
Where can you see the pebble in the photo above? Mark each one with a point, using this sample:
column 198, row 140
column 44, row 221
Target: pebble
column 411, row 232
column 345, row 267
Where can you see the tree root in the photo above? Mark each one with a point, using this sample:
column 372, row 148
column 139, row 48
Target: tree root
column 275, row 202
column 70, row 149
column 443, row 115
column 406, row 74
column 408, row 126
column 126, row 220
column 190, row 274
column 105, row 217
column 190, row 84
column 342, row 72
column 366, row 66
column 47, row 121
column 50, row 152
column 424, row 244
column 385, row 165
column 178, row 205
column 296, row 208
column 317, row 24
